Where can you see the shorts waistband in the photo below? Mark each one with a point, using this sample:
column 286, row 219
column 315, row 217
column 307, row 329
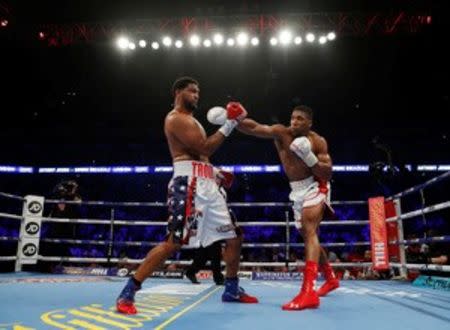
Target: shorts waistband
column 194, row 169
column 302, row 184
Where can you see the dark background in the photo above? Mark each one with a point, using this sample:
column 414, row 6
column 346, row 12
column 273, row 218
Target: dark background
column 88, row 103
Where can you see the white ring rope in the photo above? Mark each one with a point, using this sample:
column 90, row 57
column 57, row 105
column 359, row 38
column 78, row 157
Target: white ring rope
column 164, row 204
column 412, row 214
column 422, row 240
column 188, row 262
column 143, row 243
column 8, row 258
column 11, row 196
column 8, row 238
column 281, row 223
column 443, row 268
column 11, row 216
column 421, row 186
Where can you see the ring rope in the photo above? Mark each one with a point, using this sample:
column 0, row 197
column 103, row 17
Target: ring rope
column 422, row 240
column 8, row 238
column 188, row 262
column 11, row 216
column 8, row 258
column 163, row 223
column 444, row 268
column 412, row 214
column 421, row 186
column 11, row 196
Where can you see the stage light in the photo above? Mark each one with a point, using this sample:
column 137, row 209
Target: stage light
column 285, row 37
column 218, row 39
column 178, row 43
column 298, row 40
column 194, row 40
column 122, row 43
column 242, row 39
column 230, row 42
column 167, row 41
column 310, row 37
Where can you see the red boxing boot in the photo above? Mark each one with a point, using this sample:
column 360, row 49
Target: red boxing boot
column 126, row 307
column 331, row 281
column 307, row 298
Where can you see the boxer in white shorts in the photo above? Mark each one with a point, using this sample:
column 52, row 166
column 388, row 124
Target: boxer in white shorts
column 306, row 193
column 198, row 210
column 195, row 203
column 308, row 166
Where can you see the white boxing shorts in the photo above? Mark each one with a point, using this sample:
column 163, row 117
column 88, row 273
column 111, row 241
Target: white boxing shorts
column 198, row 212
column 306, row 193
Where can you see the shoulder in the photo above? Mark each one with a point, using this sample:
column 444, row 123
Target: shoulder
column 178, row 118
column 319, row 141
column 316, row 137
column 280, row 130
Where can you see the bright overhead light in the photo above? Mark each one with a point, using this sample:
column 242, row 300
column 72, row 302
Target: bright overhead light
column 207, row 43
column 310, row 37
column 194, row 40
column 178, row 43
column 254, row 41
column 298, row 40
column 285, row 37
column 122, row 43
column 273, row 41
column 142, row 43
column 230, row 42
column 167, row 41
column 155, row 45
column 218, row 39
column 331, row 36
column 242, row 38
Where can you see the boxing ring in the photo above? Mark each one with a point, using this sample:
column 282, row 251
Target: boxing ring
column 80, row 300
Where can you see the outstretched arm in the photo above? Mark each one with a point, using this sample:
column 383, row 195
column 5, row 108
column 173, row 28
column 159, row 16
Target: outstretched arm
column 251, row 127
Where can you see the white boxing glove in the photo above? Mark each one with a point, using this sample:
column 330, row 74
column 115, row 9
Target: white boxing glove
column 302, row 148
column 217, row 115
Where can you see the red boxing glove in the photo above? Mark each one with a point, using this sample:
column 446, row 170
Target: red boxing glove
column 225, row 179
column 235, row 111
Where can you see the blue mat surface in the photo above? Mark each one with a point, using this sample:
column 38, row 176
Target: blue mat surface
column 34, row 301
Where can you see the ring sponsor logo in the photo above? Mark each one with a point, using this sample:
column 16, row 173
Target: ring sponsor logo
column 34, row 207
column 32, row 228
column 122, row 272
column 29, row 249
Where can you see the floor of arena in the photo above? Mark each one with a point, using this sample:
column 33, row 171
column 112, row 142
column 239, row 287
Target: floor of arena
column 34, row 301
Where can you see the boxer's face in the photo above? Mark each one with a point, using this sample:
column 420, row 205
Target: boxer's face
column 189, row 96
column 300, row 122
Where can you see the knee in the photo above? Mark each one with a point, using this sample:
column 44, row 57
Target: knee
column 308, row 233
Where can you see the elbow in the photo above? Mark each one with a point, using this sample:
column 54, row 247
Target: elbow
column 328, row 173
column 324, row 173
column 206, row 150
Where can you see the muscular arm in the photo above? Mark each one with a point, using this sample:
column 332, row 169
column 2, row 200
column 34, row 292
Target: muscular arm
column 323, row 169
column 186, row 131
column 250, row 127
